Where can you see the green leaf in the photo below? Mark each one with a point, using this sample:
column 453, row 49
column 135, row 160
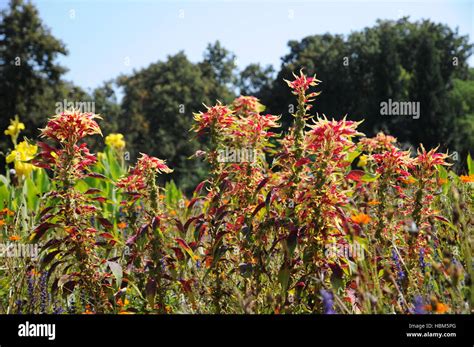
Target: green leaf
column 470, row 164
column 352, row 155
column 117, row 271
column 284, row 277
column 114, row 167
column 369, row 177
column 336, row 278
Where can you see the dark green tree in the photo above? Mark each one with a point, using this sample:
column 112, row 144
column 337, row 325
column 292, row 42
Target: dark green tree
column 157, row 112
column 397, row 60
column 255, row 80
column 30, row 78
column 218, row 67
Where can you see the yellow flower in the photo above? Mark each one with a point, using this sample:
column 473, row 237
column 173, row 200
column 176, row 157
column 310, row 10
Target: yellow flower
column 20, row 156
column 115, row 141
column 14, row 128
column 362, row 161
column 23, row 169
column 467, row 179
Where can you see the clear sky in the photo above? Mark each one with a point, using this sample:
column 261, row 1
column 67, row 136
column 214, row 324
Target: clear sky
column 108, row 38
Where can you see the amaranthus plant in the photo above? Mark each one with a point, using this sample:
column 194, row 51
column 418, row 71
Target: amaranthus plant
column 320, row 219
column 152, row 256
column 67, row 224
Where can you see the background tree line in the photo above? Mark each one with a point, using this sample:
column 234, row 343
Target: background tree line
column 401, row 60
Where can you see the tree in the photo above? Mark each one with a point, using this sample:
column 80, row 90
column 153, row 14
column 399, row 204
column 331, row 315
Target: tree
column 157, row 110
column 218, row 67
column 397, row 60
column 106, row 104
column 30, row 78
column 255, row 80
column 462, row 105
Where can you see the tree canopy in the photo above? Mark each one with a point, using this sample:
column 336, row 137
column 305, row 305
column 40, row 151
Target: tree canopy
column 401, row 60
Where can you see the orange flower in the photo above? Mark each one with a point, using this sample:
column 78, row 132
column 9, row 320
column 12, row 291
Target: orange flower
column 373, row 202
column 441, row 308
column 361, row 218
column 88, row 310
column 7, row 211
column 442, row 181
column 409, row 180
column 14, row 237
column 467, row 179
column 2, row 222
column 122, row 303
column 438, row 307
column 122, row 225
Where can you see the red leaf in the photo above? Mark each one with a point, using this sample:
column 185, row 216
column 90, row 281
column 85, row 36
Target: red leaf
column 39, row 231
column 105, row 223
column 199, row 187
column 179, row 254
column 107, row 236
column 92, row 191
column 96, row 175
column 355, row 175
column 302, row 162
column 258, row 208
column 183, row 244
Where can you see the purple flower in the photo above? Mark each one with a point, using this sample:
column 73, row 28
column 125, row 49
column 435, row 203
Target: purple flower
column 43, row 291
column 422, row 260
column 57, row 309
column 19, row 304
column 419, row 307
column 31, row 291
column 328, row 301
column 398, row 267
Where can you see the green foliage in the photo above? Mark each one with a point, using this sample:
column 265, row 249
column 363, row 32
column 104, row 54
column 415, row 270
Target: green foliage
column 157, row 109
column 398, row 60
column 30, row 77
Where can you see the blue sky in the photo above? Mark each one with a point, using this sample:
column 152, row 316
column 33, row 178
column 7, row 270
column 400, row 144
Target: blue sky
column 108, row 38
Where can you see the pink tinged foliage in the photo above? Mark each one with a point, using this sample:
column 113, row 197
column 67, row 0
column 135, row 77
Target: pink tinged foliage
column 71, row 126
column 394, row 161
column 137, row 179
column 427, row 160
column 302, row 83
column 218, row 116
column 381, row 142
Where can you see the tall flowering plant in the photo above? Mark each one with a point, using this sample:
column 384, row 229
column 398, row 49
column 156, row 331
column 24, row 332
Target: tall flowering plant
column 148, row 247
column 71, row 220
